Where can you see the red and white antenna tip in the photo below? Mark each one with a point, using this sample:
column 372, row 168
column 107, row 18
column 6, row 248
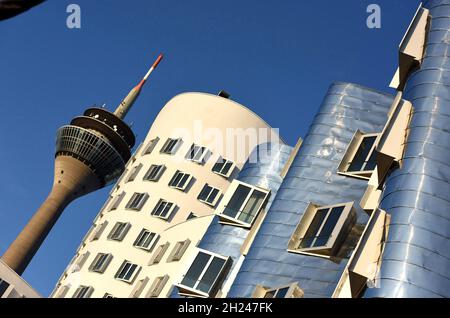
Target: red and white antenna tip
column 160, row 57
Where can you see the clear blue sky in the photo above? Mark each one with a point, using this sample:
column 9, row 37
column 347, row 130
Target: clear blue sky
column 276, row 57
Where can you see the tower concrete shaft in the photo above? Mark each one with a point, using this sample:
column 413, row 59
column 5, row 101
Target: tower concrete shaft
column 91, row 152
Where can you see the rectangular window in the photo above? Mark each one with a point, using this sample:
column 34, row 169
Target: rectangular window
column 133, row 173
column 119, row 231
column 244, row 204
column 171, row 146
column 98, row 230
column 178, row 251
column 137, row 201
column 83, row 292
column 140, row 285
column 127, row 272
column 80, row 260
column 198, row 154
column 116, row 201
column 150, row 146
column 205, row 274
column 100, row 263
column 223, row 167
column 146, row 240
column 157, row 286
column 163, row 209
column 287, row 291
column 323, row 229
column 159, row 253
column 209, row 195
column 62, row 291
column 360, row 158
column 154, row 173
column 180, row 180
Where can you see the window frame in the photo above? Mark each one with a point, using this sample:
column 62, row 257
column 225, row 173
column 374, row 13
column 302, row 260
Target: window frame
column 134, row 173
column 87, row 294
column 184, row 290
column 261, row 291
column 226, row 219
column 121, row 236
column 216, row 199
column 343, row 224
column 160, row 171
column 150, row 146
column 204, row 154
column 164, row 149
column 169, row 212
column 102, row 268
column 134, row 273
column 141, row 198
column 177, row 186
column 352, row 150
column 225, row 161
column 151, row 244
column 116, row 201
column 157, row 286
column 178, row 250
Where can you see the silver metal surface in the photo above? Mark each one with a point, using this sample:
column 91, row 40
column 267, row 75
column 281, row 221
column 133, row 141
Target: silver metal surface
column 416, row 260
column 313, row 178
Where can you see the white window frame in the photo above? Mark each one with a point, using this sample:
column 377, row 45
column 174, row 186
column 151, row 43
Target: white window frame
column 294, row 291
column 216, row 199
column 151, row 243
column 178, row 250
column 169, row 212
column 192, row 291
column 116, row 201
column 88, row 290
column 112, row 236
column 226, row 219
column 220, row 171
column 201, row 154
column 179, row 186
column 159, row 172
column 165, row 148
column 150, row 146
column 100, row 268
column 351, row 152
column 344, row 223
column 135, row 272
column 133, row 173
column 137, row 201
column 157, row 286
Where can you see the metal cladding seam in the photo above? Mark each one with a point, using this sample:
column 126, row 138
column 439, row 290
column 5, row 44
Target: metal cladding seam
column 313, row 178
column 416, row 260
column 262, row 169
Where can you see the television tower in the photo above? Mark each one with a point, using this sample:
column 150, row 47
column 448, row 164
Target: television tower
column 91, row 153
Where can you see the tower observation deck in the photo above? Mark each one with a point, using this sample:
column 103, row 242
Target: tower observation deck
column 91, row 152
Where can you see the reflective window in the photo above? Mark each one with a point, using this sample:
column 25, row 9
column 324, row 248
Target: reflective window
column 163, row 209
column 171, row 146
column 180, row 180
column 127, row 271
column 209, row 195
column 365, row 157
column 154, row 172
column 223, row 167
column 198, row 154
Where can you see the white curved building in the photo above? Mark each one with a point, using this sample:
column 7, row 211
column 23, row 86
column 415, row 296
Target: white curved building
column 141, row 241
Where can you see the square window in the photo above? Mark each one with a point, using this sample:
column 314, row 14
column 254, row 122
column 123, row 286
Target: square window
column 198, row 154
column 146, row 240
column 163, row 209
column 209, row 195
column 127, row 272
column 223, row 167
column 137, row 201
column 180, row 180
column 322, row 230
column 154, row 173
column 171, row 146
column 205, row 275
column 243, row 203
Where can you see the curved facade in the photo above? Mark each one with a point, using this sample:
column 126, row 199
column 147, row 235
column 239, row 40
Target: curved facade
column 417, row 196
column 189, row 136
column 312, row 177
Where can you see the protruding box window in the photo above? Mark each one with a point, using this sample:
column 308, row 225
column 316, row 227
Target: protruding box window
column 119, row 231
column 157, row 286
column 360, row 158
column 137, row 201
column 154, row 173
column 242, row 204
column 198, row 154
column 159, row 253
column 180, row 180
column 116, row 201
column 178, row 250
column 150, row 146
column 133, row 173
column 83, row 292
column 140, row 285
column 205, row 275
column 322, row 229
column 146, row 240
column 223, row 167
column 209, row 195
column 101, row 262
column 164, row 209
column 287, row 291
column 98, row 230
column 127, row 272
column 171, row 146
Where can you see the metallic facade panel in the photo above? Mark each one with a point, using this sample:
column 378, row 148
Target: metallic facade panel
column 313, row 178
column 416, row 260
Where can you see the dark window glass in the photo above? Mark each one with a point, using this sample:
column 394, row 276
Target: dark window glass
column 329, row 226
column 211, row 274
column 236, row 201
column 311, row 233
column 252, row 206
column 361, row 155
column 193, row 274
column 282, row 292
